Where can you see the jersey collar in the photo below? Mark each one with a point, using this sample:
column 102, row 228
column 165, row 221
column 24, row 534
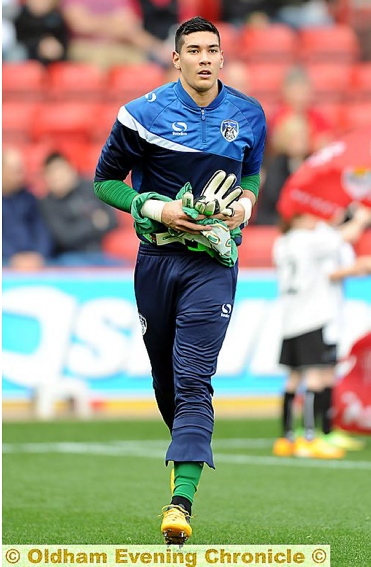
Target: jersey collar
column 188, row 100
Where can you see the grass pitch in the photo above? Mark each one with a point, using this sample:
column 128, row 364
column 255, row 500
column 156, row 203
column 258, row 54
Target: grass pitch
column 105, row 483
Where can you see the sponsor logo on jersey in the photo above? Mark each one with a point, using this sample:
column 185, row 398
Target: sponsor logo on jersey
column 151, row 97
column 143, row 323
column 229, row 130
column 179, row 129
column 226, row 310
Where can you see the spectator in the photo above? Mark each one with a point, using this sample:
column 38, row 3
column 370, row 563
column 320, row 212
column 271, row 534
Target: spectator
column 292, row 147
column 27, row 242
column 77, row 219
column 110, row 33
column 159, row 17
column 42, row 31
column 298, row 99
column 11, row 50
column 305, row 13
column 255, row 12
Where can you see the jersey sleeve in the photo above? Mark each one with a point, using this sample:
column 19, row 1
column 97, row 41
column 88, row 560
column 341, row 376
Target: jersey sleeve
column 254, row 156
column 122, row 150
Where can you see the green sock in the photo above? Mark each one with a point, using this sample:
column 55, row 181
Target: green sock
column 186, row 477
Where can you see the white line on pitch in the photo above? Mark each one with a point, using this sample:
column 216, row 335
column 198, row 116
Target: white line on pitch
column 156, row 449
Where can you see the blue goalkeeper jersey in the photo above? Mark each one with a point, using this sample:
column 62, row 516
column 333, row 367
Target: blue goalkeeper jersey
column 165, row 139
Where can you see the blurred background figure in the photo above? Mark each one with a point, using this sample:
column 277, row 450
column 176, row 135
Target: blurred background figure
column 27, row 242
column 111, row 33
column 250, row 12
column 76, row 218
column 292, row 146
column 294, row 13
column 11, row 50
column 42, row 31
column 298, row 100
column 305, row 13
column 160, row 17
column 306, row 254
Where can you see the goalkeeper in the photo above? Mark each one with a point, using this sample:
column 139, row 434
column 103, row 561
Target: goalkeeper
column 194, row 148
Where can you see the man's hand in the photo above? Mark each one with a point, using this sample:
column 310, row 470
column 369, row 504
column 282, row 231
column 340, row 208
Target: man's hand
column 218, row 194
column 27, row 261
column 175, row 218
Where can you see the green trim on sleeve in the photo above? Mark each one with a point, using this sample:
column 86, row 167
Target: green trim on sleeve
column 251, row 183
column 115, row 193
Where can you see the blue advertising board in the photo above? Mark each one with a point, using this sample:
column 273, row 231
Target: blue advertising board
column 83, row 325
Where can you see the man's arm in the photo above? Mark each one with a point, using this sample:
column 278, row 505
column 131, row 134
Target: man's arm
column 116, row 193
column 361, row 267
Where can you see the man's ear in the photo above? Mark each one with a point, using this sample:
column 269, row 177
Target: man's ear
column 176, row 60
column 221, row 60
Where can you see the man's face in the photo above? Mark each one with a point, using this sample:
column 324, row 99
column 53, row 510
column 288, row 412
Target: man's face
column 199, row 61
column 13, row 173
column 60, row 177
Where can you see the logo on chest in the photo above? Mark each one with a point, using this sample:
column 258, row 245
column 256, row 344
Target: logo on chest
column 229, row 130
column 179, row 128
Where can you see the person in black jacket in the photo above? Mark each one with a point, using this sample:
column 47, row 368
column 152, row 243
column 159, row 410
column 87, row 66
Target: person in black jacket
column 42, row 31
column 159, row 18
column 27, row 242
column 77, row 219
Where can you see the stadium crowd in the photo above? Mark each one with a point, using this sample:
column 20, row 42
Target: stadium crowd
column 66, row 61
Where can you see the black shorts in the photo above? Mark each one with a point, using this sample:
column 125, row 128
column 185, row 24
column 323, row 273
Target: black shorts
column 307, row 350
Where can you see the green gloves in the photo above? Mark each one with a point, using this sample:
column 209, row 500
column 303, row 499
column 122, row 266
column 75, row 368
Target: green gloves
column 218, row 242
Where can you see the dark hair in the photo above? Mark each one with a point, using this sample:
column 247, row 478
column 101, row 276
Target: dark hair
column 196, row 24
column 53, row 156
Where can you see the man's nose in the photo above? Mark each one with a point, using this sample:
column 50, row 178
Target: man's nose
column 205, row 57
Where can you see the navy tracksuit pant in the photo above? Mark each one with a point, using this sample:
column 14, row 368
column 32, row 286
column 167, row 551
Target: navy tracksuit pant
column 185, row 301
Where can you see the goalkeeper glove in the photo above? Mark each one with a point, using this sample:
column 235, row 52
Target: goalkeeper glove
column 218, row 194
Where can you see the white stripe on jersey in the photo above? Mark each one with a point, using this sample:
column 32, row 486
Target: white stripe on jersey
column 129, row 121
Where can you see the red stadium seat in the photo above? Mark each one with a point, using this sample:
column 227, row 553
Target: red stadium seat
column 228, row 39
column 331, row 81
column 334, row 114
column 356, row 114
column 122, row 243
column 256, row 248
column 209, row 9
column 65, row 121
column 338, row 44
column 76, row 81
column 107, row 116
column 18, row 118
column 361, row 81
column 274, row 43
column 84, row 156
column 126, row 82
column 266, row 80
column 24, row 81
